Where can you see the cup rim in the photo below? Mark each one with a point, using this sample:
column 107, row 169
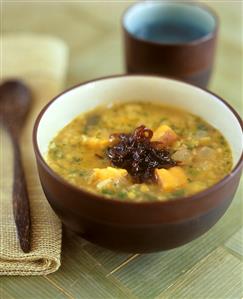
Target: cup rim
column 193, row 42
column 114, row 201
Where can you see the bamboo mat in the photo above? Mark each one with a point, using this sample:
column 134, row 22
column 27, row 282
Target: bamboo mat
column 209, row 267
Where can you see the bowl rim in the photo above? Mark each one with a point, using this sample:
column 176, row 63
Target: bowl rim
column 115, row 201
column 195, row 42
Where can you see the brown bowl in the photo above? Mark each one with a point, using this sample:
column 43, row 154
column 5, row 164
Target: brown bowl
column 130, row 226
column 189, row 60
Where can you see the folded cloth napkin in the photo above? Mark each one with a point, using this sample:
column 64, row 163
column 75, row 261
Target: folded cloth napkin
column 40, row 61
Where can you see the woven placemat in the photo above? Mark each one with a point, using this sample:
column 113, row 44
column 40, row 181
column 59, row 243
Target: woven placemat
column 40, row 61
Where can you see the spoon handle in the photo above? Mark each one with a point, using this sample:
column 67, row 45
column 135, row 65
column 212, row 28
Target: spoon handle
column 21, row 208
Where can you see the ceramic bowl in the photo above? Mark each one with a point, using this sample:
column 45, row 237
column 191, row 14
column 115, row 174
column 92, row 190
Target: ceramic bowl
column 187, row 60
column 141, row 226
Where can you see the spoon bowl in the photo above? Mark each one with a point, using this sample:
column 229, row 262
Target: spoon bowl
column 15, row 102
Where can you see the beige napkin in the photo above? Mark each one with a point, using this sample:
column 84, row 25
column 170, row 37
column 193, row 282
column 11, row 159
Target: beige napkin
column 41, row 62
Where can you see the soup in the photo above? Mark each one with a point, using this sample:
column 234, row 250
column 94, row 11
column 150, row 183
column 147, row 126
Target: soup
column 140, row 152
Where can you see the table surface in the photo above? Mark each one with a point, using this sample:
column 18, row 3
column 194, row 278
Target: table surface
column 209, row 267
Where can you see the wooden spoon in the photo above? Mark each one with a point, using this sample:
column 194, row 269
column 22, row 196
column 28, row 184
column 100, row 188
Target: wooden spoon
column 15, row 100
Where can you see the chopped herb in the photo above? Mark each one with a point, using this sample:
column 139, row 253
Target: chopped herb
column 163, row 119
column 192, row 171
column 179, row 131
column 98, row 135
column 57, row 153
column 222, row 140
column 76, row 159
column 92, row 120
column 150, row 196
column 107, row 192
column 190, row 146
column 82, row 173
column 122, row 195
column 173, row 127
column 85, row 130
column 178, row 193
column 73, row 171
column 202, row 126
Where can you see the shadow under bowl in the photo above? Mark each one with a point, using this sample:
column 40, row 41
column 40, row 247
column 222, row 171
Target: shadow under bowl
column 130, row 226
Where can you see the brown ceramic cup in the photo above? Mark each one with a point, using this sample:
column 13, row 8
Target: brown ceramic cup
column 170, row 39
column 137, row 226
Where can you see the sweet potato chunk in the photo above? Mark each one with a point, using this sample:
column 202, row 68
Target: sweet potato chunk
column 100, row 174
column 171, row 179
column 93, row 142
column 164, row 134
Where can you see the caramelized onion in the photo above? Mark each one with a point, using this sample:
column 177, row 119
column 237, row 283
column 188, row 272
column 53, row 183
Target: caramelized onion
column 138, row 155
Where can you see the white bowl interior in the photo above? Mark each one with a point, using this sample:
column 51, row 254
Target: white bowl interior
column 139, row 88
column 145, row 13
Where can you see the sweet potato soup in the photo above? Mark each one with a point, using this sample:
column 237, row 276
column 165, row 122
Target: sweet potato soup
column 140, row 152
